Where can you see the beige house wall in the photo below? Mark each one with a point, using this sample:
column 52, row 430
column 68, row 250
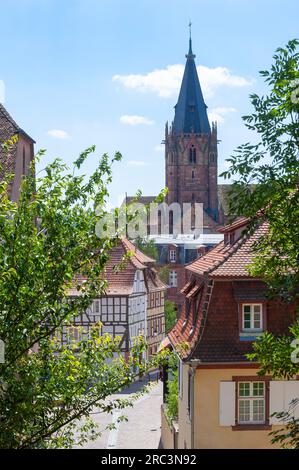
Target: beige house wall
column 184, row 418
column 169, row 431
column 208, row 434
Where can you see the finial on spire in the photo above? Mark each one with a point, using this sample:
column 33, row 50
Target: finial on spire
column 190, row 53
column 190, row 37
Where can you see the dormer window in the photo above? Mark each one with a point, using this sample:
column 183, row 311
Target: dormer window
column 252, row 317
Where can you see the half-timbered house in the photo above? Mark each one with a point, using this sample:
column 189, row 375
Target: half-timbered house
column 132, row 305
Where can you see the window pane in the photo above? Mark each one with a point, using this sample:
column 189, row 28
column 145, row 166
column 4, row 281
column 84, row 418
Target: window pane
column 258, row 410
column 246, row 308
column 257, row 320
column 258, row 389
column 244, row 389
column 247, row 320
column 244, row 410
column 257, row 309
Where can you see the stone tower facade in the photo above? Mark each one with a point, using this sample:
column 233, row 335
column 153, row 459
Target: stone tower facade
column 191, row 148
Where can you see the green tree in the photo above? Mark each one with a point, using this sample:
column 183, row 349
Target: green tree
column 48, row 241
column 164, row 273
column 266, row 189
column 172, row 397
column 170, row 315
column 147, row 246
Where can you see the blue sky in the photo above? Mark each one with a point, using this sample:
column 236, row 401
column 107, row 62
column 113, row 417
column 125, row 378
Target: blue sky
column 107, row 72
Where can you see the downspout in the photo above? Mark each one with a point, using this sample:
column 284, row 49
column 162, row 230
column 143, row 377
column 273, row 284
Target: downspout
column 193, row 363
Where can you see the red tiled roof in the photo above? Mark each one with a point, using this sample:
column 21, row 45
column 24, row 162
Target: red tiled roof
column 138, row 255
column 249, row 292
column 184, row 331
column 186, row 288
column 223, row 261
column 120, row 270
column 226, row 260
column 153, row 281
column 193, row 291
column 240, row 222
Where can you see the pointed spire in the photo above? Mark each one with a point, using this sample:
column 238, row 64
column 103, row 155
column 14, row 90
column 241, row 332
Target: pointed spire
column 191, row 110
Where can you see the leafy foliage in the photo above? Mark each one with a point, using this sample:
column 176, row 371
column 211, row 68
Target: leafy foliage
column 267, row 173
column 48, row 243
column 170, row 315
column 267, row 190
column 172, row 398
column 288, row 436
column 164, row 274
column 147, row 246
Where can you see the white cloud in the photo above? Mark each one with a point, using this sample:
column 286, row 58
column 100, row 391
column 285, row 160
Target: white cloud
column 58, row 134
column 159, row 148
column 166, row 82
column 2, row 91
column 217, row 114
column 137, row 163
column 134, row 120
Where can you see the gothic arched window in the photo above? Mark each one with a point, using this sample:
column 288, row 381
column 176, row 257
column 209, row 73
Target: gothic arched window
column 159, row 222
column 170, row 222
column 192, row 154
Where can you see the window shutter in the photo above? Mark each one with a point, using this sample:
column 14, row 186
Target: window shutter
column 281, row 394
column 276, row 400
column 227, row 404
column 291, row 393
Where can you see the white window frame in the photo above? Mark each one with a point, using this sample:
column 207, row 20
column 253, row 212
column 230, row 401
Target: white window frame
column 173, row 278
column 252, row 317
column 172, row 256
column 251, row 398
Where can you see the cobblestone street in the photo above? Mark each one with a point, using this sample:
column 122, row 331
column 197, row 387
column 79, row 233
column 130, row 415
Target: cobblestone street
column 143, row 428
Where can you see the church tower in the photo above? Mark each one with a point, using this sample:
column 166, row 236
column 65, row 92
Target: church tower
column 191, row 148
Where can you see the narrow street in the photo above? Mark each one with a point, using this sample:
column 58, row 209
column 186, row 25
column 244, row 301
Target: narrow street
column 141, row 431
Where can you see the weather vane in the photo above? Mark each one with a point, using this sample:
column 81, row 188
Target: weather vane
column 190, row 24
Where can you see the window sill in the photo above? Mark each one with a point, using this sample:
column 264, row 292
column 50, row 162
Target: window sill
column 250, row 335
column 252, row 427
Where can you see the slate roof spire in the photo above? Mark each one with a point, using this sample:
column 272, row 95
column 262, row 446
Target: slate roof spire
column 191, row 110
